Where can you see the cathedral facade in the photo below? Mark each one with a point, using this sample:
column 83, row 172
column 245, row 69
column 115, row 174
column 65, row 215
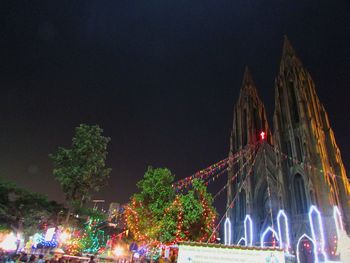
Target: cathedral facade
column 292, row 166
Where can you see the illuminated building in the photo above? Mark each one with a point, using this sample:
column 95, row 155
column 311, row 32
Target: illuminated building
column 298, row 164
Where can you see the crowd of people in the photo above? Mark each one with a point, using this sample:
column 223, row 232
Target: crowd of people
column 24, row 258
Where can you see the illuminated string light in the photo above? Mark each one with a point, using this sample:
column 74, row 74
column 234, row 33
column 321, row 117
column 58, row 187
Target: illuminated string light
column 241, row 240
column 269, row 229
column 314, row 244
column 313, row 209
column 280, row 214
column 250, row 241
column 338, row 220
column 227, row 231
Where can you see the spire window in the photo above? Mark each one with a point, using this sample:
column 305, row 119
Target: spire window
column 299, row 194
column 293, row 105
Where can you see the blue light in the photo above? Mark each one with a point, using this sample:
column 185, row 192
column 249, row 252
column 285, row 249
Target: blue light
column 280, row 214
column 338, row 220
column 313, row 209
column 250, row 241
column 227, row 227
column 314, row 244
column 269, row 229
column 241, row 240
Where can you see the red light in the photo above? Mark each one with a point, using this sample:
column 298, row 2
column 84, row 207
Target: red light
column 262, row 135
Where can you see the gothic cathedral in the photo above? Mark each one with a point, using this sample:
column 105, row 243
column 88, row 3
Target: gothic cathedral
column 296, row 166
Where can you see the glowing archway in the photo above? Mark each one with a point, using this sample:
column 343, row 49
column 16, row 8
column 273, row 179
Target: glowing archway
column 281, row 214
column 227, row 227
column 313, row 243
column 313, row 209
column 248, row 220
column 267, row 230
column 240, row 241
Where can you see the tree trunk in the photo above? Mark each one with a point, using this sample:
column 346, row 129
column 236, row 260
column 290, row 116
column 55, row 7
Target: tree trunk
column 68, row 215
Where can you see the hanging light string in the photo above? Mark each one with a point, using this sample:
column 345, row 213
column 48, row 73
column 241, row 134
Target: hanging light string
column 249, row 152
column 305, row 164
column 209, row 171
column 234, row 198
column 251, row 155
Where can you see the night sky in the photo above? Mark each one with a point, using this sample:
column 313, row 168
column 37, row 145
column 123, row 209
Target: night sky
column 160, row 77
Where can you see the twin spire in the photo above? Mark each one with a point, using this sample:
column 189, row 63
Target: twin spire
column 289, row 59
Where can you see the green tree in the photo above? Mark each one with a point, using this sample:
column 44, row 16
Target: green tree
column 82, row 169
column 24, row 211
column 158, row 214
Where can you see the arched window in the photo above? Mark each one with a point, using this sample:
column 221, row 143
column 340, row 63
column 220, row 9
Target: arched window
column 299, row 193
column 242, row 204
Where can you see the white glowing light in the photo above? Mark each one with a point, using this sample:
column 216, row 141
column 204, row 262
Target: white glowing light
column 314, row 244
column 269, row 229
column 227, row 227
column 9, row 243
column 49, row 234
column 118, row 251
column 280, row 214
column 241, row 240
column 338, row 220
column 64, row 236
column 249, row 241
column 313, row 209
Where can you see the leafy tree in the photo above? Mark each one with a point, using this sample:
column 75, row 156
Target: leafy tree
column 82, row 169
column 158, row 214
column 24, row 211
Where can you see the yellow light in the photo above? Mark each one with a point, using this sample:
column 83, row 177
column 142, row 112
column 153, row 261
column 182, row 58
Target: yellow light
column 118, row 251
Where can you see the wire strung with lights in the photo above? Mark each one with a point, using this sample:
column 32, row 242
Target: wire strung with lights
column 230, row 206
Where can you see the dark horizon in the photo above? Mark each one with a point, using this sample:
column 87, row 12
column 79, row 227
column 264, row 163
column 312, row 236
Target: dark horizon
column 160, row 78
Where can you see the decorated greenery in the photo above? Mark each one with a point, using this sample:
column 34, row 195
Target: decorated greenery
column 82, row 169
column 157, row 214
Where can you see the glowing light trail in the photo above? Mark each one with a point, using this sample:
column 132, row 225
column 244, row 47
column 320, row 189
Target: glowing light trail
column 313, row 209
column 248, row 242
column 281, row 214
column 227, row 231
column 269, row 229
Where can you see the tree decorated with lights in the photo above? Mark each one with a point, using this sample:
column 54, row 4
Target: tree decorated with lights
column 157, row 214
column 94, row 237
column 81, row 169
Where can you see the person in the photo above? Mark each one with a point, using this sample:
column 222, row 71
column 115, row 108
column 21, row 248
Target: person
column 31, row 259
column 23, row 257
column 92, row 259
column 54, row 259
column 10, row 259
column 41, row 259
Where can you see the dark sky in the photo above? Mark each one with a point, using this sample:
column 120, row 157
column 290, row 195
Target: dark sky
column 160, row 77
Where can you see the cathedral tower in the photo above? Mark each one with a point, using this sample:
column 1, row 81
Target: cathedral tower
column 310, row 161
column 297, row 167
column 249, row 121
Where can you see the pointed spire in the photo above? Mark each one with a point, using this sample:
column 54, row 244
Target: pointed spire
column 247, row 77
column 287, row 47
column 248, row 85
column 289, row 56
